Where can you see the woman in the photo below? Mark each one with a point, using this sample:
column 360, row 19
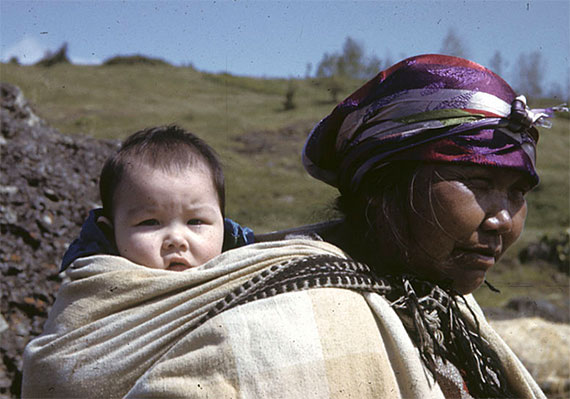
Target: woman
column 432, row 159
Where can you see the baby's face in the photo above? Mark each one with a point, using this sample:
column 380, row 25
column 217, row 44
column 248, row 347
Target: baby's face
column 168, row 220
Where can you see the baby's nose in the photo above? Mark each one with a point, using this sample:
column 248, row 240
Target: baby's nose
column 175, row 240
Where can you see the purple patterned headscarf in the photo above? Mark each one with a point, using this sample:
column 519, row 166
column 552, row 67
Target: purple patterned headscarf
column 430, row 108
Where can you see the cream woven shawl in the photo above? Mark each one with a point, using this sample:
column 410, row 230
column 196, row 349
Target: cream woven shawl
column 118, row 329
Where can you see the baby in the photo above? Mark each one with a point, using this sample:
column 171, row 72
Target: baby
column 163, row 199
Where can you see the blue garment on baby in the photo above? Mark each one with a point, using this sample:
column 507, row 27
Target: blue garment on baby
column 94, row 239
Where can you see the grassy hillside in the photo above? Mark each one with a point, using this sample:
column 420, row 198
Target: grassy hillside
column 267, row 187
column 260, row 143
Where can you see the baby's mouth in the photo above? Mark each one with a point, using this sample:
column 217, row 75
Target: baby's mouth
column 178, row 266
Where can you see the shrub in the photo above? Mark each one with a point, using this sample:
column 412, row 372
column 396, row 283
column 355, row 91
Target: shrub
column 555, row 250
column 289, row 102
column 51, row 59
column 136, row 59
column 334, row 85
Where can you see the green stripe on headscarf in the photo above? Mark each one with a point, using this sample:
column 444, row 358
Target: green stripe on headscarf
column 448, row 117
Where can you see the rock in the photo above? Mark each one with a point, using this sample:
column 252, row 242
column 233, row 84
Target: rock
column 543, row 347
column 3, row 324
column 48, row 183
column 528, row 307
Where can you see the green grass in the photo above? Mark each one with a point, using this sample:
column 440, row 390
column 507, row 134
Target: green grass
column 267, row 190
column 260, row 143
column 549, row 206
column 538, row 280
column 114, row 101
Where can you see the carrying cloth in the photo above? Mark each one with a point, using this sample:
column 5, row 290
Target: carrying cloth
column 118, row 329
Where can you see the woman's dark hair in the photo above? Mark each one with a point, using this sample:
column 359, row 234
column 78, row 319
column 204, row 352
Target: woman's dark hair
column 168, row 148
column 377, row 215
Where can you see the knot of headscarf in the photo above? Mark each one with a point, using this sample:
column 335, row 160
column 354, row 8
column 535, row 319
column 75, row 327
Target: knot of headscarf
column 427, row 108
column 522, row 117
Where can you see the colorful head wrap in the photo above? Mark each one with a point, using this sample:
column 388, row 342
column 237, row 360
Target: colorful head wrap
column 430, row 108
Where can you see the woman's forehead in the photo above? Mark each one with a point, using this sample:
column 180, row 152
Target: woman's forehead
column 450, row 170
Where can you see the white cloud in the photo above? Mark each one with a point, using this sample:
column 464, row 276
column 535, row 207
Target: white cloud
column 28, row 51
column 84, row 61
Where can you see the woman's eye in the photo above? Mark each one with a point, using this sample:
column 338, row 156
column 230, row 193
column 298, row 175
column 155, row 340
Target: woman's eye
column 195, row 222
column 520, row 191
column 478, row 183
column 148, row 222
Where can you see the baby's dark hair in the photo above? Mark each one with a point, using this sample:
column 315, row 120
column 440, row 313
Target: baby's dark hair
column 168, row 148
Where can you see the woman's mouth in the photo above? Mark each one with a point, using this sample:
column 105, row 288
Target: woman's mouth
column 480, row 258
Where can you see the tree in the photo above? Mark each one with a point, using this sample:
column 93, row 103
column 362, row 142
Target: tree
column 566, row 87
column 334, row 87
column 289, row 102
column 308, row 69
column 373, row 66
column 497, row 64
column 350, row 63
column 328, row 75
column 555, row 91
column 328, row 66
column 452, row 45
column 59, row 57
column 136, row 59
column 388, row 61
column 530, row 71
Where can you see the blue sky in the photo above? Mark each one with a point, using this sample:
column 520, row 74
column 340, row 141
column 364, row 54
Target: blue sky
column 279, row 39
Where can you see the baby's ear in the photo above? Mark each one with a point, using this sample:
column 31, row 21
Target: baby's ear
column 104, row 222
column 106, row 227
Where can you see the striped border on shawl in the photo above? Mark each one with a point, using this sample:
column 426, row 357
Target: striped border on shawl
column 429, row 313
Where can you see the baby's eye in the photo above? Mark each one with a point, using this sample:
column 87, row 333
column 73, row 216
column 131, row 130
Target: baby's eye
column 195, row 222
column 148, row 222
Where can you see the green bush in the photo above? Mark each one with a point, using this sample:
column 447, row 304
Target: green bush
column 136, row 59
column 289, row 102
column 59, row 57
column 555, row 250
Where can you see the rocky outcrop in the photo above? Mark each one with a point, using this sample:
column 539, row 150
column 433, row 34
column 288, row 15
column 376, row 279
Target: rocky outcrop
column 543, row 347
column 48, row 182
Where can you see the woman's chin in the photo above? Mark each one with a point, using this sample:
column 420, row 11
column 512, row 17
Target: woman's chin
column 469, row 281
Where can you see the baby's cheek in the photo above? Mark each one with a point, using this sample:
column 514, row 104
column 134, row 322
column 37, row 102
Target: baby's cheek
column 133, row 246
column 215, row 240
column 120, row 246
column 125, row 251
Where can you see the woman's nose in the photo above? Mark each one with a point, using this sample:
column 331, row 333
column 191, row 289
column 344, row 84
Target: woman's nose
column 501, row 222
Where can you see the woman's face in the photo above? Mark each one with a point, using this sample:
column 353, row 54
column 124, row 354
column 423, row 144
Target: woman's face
column 463, row 219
